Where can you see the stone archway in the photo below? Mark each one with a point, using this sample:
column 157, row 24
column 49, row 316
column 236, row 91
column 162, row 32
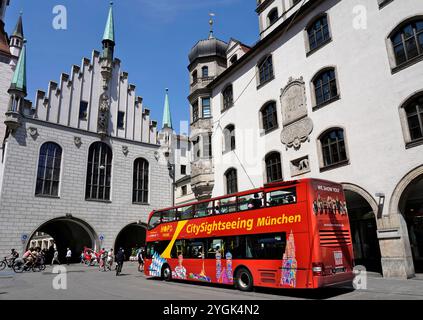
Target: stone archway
column 67, row 232
column 408, row 201
column 130, row 237
column 362, row 210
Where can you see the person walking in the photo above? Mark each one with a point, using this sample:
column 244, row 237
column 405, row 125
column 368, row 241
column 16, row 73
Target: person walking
column 68, row 256
column 110, row 260
column 55, row 257
column 103, row 258
column 120, row 257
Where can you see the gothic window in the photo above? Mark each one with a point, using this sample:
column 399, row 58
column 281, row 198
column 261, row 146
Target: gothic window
column 273, row 16
column 414, row 112
column 229, row 136
column 269, row 116
column 325, row 87
column 231, row 181
column 265, row 70
column 99, row 172
column 140, row 181
column 318, row 33
column 273, row 167
column 333, row 147
column 83, row 110
column 121, row 120
column 48, row 174
column 228, row 97
column 205, row 72
column 407, row 41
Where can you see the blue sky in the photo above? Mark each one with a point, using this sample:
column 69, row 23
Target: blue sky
column 153, row 39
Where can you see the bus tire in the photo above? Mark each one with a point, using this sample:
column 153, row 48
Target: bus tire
column 166, row 273
column 244, row 280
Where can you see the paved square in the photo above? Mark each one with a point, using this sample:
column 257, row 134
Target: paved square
column 87, row 283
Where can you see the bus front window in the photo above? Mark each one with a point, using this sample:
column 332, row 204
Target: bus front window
column 154, row 220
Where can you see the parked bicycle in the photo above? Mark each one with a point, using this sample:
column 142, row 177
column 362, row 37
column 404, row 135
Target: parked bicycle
column 6, row 263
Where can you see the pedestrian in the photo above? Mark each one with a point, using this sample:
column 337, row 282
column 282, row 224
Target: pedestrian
column 68, row 256
column 140, row 256
column 120, row 257
column 103, row 258
column 110, row 260
column 55, row 257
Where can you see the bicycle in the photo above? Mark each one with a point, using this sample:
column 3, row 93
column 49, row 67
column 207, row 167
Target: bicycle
column 20, row 266
column 6, row 263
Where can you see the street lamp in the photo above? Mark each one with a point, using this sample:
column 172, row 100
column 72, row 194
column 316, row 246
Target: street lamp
column 172, row 173
column 381, row 203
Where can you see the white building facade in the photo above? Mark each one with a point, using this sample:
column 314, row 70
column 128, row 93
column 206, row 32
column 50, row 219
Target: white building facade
column 332, row 90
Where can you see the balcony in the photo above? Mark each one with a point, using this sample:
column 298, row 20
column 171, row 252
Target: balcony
column 200, row 83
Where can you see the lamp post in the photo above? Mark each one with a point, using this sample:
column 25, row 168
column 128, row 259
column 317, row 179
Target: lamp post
column 172, row 172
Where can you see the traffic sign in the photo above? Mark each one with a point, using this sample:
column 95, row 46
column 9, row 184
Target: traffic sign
column 101, row 237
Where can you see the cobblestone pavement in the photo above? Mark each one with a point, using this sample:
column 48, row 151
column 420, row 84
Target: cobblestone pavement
column 87, row 283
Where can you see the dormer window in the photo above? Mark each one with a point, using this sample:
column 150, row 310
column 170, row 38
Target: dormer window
column 234, row 59
column 273, row 16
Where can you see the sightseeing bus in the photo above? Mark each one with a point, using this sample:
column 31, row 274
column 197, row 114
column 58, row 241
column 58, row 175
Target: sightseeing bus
column 284, row 235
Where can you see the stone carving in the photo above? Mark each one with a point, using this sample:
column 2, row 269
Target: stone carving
column 33, row 132
column 300, row 166
column 297, row 126
column 297, row 133
column 293, row 101
column 77, row 141
column 103, row 115
column 125, row 150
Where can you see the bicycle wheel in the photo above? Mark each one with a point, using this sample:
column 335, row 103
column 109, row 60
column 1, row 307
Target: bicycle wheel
column 2, row 265
column 18, row 267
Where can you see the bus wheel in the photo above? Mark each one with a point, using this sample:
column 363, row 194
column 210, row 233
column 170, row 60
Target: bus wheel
column 166, row 273
column 244, row 280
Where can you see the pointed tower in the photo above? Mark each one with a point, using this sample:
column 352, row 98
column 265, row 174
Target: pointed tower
column 17, row 38
column 167, row 117
column 166, row 135
column 106, row 62
column 17, row 93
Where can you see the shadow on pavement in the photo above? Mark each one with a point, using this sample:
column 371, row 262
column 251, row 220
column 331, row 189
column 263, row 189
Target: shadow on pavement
column 315, row 294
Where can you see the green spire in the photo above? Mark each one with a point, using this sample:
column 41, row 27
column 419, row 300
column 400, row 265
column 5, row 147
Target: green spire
column 167, row 118
column 18, row 32
column 19, row 77
column 109, row 31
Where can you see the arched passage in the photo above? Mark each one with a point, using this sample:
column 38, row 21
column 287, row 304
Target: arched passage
column 361, row 211
column 67, row 232
column 130, row 237
column 411, row 207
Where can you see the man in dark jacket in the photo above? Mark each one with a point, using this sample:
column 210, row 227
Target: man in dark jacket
column 120, row 257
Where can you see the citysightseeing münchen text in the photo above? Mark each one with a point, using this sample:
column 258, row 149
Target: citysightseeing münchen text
column 246, row 224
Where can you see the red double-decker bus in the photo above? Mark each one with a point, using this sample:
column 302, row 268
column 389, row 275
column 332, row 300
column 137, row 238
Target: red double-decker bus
column 285, row 235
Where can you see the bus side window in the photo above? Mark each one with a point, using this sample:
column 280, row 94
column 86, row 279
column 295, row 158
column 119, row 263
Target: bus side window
column 281, row 197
